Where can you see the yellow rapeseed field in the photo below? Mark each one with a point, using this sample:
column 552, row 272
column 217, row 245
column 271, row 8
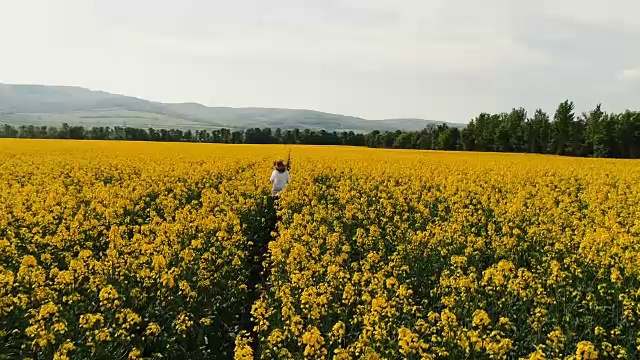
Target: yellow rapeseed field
column 122, row 250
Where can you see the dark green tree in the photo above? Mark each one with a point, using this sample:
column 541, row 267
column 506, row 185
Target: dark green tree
column 538, row 131
column 562, row 128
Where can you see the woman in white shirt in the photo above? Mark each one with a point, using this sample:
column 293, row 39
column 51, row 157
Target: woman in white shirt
column 279, row 177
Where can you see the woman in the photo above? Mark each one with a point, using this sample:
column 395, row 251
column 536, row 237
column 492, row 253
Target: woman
column 279, row 177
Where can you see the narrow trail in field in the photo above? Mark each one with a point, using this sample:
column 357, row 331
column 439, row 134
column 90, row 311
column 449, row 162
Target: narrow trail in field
column 261, row 236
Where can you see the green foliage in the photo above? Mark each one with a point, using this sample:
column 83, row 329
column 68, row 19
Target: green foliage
column 561, row 128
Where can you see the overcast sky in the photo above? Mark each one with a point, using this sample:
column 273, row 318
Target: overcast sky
column 435, row 59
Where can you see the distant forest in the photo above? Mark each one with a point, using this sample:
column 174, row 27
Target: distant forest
column 591, row 134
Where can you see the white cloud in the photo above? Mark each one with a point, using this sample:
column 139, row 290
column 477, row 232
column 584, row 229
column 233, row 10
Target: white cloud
column 375, row 36
column 442, row 59
column 630, row 74
column 613, row 14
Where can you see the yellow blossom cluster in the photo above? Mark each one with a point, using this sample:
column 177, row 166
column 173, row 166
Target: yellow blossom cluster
column 394, row 254
column 148, row 250
column 123, row 250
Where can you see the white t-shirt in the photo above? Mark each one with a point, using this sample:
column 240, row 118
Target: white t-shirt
column 280, row 179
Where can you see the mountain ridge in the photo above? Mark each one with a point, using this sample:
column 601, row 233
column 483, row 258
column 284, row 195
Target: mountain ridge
column 23, row 104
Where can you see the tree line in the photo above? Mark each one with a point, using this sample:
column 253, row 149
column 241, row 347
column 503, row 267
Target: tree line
column 226, row 136
column 593, row 134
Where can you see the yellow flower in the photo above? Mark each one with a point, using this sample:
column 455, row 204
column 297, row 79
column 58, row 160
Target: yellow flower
column 537, row 355
column 338, row 330
column 108, row 296
column 616, row 277
column 90, row 320
column 134, row 353
column 313, row 341
column 390, row 253
column 243, row 350
column 152, row 330
column 586, row 351
column 275, row 337
column 556, row 339
column 183, row 323
column 408, row 341
column 103, row 335
column 63, row 349
column 480, row 319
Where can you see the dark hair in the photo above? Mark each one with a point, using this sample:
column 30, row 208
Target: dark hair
column 280, row 166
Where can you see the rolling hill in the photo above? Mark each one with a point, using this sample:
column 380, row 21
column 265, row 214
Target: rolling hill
column 53, row 105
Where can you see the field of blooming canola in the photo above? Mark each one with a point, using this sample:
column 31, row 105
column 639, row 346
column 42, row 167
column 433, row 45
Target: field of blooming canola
column 148, row 250
column 116, row 250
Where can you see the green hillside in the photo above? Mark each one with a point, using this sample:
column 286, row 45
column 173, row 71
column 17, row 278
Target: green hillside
column 53, row 105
